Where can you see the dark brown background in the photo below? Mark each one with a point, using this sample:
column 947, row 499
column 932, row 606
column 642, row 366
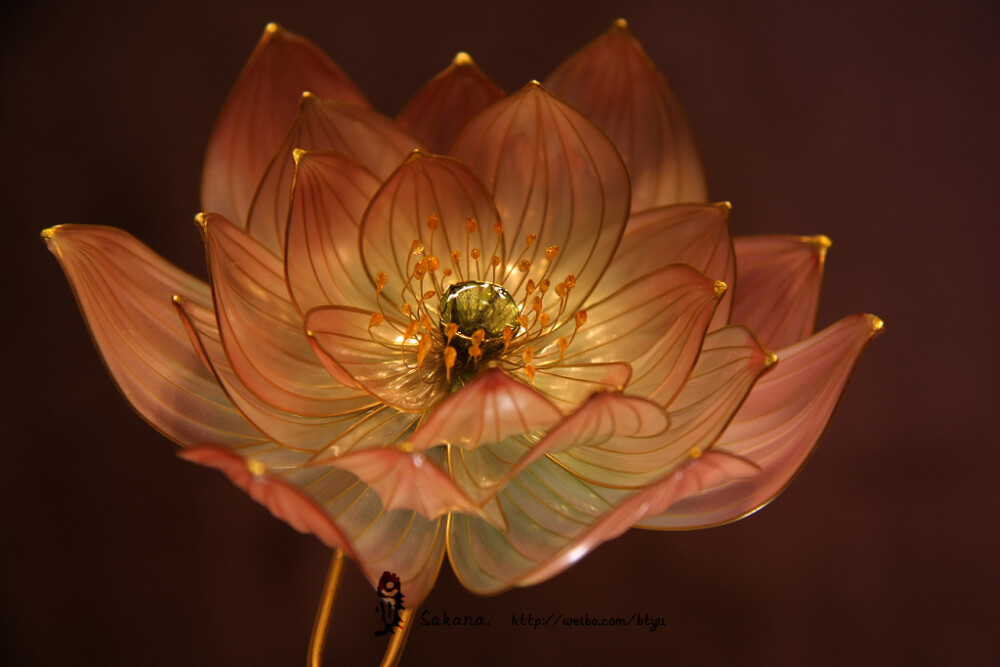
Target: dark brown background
column 875, row 123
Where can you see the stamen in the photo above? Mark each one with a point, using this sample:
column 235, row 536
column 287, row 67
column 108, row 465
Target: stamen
column 498, row 227
column 551, row 252
column 450, row 331
column 508, row 334
column 475, row 253
column 471, row 225
column 524, row 265
column 376, row 320
column 528, row 355
column 563, row 343
column 450, row 356
column 531, row 238
column 432, row 263
column 423, row 348
column 475, row 353
column 530, row 370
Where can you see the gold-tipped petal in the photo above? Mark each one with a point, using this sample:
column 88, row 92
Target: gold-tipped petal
column 48, row 233
column 720, row 289
column 462, row 59
column 877, row 325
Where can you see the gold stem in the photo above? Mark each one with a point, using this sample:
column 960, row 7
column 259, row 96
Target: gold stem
column 321, row 625
column 395, row 649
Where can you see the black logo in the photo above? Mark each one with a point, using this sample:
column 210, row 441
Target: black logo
column 390, row 603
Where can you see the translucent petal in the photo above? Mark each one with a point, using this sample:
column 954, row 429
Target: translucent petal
column 779, row 283
column 730, row 362
column 569, row 385
column 656, row 323
column 552, row 174
column 780, row 423
column 487, row 410
column 422, row 187
column 376, row 358
column 257, row 114
column 405, row 480
column 124, row 291
column 367, row 137
column 442, row 108
column 262, row 332
column 290, row 430
column 693, row 234
column 552, row 520
column 346, row 513
column 616, row 85
column 322, row 261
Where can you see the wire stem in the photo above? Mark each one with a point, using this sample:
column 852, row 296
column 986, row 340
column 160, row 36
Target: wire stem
column 398, row 642
column 321, row 625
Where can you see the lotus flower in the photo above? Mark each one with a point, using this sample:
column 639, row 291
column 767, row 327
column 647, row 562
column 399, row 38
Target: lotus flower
column 505, row 327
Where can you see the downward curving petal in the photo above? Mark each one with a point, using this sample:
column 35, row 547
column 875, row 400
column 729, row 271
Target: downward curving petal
column 345, row 513
column 364, row 136
column 124, row 291
column 406, row 480
column 552, row 174
column 442, row 108
column 322, row 263
column 257, row 114
column 487, row 410
column 780, row 278
column 780, row 423
column 617, row 86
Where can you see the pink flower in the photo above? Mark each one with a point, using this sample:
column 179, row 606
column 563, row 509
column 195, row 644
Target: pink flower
column 503, row 327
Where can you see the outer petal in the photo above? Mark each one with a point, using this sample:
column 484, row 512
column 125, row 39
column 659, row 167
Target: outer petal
column 779, row 424
column 322, row 263
column 377, row 358
column 263, row 334
column 693, row 234
column 365, row 136
column 422, row 187
column 569, row 385
column 345, row 513
column 730, row 363
column 779, row 278
column 617, row 86
column 554, row 519
column 406, row 480
column 291, row 430
column 552, row 174
column 491, row 408
column 443, row 107
column 124, row 291
column 257, row 113
column 656, row 323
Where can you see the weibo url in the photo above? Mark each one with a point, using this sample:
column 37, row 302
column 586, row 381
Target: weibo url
column 552, row 620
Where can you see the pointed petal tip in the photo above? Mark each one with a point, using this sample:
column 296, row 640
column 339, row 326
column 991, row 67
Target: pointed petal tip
column 271, row 28
column 720, row 289
column 202, row 221
column 462, row 59
column 297, row 154
column 877, row 325
column 770, row 359
column 49, row 233
column 724, row 206
column 619, row 25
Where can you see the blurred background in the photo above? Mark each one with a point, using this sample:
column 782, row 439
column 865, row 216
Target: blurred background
column 874, row 123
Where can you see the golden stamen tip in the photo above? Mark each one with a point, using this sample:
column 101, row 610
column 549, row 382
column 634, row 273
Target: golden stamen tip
column 770, row 360
column 877, row 324
column 47, row 234
column 177, row 298
column 461, row 59
column 201, row 220
column 297, row 154
column 720, row 289
column 256, row 468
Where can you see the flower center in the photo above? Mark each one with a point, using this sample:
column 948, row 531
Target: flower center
column 473, row 305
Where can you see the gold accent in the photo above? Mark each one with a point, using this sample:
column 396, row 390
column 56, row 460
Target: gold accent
column 394, row 651
column 271, row 28
column 724, row 205
column 297, row 154
column 462, row 59
column 406, row 446
column 821, row 242
column 620, row 24
column 695, row 452
column 535, row 83
column 201, row 220
column 318, row 639
column 307, row 95
column 256, row 468
column 47, row 234
column 770, row 360
column 877, row 324
column 720, row 289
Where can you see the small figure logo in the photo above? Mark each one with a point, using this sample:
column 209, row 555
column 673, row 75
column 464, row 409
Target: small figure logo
column 390, row 603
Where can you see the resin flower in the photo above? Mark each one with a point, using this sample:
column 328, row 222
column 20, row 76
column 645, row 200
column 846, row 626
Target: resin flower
column 503, row 327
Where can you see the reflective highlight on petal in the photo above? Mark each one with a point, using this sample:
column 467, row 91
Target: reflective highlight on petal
column 257, row 114
column 616, row 85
